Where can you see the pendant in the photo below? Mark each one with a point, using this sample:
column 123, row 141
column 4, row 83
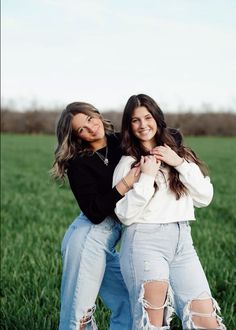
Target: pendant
column 106, row 161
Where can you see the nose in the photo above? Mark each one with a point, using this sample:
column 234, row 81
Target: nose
column 142, row 123
column 91, row 127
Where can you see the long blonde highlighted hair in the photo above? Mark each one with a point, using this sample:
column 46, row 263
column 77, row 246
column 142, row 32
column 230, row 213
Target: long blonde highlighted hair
column 69, row 143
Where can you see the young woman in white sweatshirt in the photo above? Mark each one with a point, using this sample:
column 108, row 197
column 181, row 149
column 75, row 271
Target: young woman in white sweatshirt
column 158, row 261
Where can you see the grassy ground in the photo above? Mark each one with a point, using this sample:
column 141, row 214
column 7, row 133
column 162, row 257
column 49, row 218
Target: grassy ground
column 36, row 212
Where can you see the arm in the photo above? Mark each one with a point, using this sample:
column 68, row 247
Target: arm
column 199, row 187
column 135, row 200
column 94, row 204
column 93, row 188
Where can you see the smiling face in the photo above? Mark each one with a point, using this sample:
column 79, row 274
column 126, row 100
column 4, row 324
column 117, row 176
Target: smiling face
column 89, row 129
column 144, row 127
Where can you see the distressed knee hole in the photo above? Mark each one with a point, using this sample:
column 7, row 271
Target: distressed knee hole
column 202, row 313
column 155, row 297
column 88, row 318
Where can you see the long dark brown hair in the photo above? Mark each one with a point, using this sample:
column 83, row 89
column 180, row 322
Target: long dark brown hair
column 172, row 137
column 69, row 143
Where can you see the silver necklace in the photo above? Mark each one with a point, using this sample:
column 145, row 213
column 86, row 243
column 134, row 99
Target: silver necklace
column 104, row 159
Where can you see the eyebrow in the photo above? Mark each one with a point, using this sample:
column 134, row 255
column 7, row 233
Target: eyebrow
column 135, row 117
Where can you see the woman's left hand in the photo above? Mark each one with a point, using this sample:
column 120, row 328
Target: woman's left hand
column 167, row 155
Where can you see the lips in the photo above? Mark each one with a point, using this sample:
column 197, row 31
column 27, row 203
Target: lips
column 145, row 132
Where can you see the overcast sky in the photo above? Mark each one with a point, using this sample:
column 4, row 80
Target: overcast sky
column 180, row 52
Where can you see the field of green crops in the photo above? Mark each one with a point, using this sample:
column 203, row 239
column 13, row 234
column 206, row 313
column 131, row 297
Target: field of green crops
column 36, row 212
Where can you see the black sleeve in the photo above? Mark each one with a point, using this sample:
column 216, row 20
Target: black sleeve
column 93, row 204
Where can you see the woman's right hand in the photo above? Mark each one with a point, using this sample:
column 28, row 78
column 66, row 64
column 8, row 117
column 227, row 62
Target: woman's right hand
column 150, row 165
column 133, row 175
column 126, row 183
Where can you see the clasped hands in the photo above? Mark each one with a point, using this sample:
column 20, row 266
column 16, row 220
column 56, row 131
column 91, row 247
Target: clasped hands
column 151, row 164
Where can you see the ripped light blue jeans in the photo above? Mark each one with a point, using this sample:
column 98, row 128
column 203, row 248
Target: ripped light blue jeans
column 90, row 268
column 164, row 252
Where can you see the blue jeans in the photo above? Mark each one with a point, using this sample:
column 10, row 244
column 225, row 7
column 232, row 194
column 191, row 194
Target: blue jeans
column 91, row 267
column 164, row 252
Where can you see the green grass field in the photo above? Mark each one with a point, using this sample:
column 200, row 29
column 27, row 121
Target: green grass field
column 36, row 212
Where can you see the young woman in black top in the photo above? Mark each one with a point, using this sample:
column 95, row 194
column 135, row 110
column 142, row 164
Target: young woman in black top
column 88, row 151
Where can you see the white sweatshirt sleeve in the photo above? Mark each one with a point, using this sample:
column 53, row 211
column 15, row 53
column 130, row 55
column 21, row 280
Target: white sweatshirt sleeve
column 199, row 187
column 136, row 199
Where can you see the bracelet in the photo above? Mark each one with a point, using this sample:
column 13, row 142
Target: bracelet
column 125, row 183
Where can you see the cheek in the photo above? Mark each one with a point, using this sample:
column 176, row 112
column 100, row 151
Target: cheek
column 100, row 124
column 155, row 126
column 82, row 136
column 134, row 127
column 102, row 129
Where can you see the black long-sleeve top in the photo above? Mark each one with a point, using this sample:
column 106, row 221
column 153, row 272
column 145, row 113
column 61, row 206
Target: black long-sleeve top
column 91, row 181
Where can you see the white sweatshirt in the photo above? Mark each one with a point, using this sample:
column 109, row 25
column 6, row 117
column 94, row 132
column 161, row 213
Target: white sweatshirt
column 142, row 204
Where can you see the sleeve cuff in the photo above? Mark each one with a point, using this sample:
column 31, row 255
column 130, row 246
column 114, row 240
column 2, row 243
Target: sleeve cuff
column 146, row 179
column 117, row 196
column 183, row 167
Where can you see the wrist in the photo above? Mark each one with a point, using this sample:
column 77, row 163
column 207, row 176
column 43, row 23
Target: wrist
column 179, row 162
column 150, row 173
column 123, row 186
column 125, row 183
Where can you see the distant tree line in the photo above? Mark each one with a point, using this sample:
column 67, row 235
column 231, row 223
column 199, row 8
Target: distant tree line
column 190, row 123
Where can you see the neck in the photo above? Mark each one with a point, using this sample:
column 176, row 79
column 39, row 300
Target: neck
column 96, row 145
column 149, row 145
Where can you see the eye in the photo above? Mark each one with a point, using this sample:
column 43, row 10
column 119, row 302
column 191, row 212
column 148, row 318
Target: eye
column 134, row 120
column 89, row 119
column 149, row 117
column 80, row 130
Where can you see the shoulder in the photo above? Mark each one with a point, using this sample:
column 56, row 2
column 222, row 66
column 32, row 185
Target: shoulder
column 122, row 168
column 176, row 135
column 127, row 160
column 78, row 161
column 114, row 138
column 113, row 141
